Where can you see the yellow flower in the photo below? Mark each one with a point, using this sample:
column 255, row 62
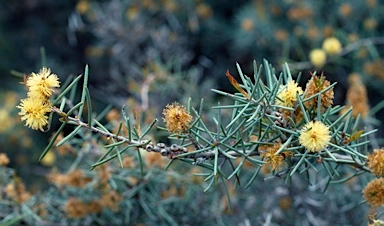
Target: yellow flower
column 314, row 136
column 376, row 162
column 41, row 84
column 49, row 159
column 34, row 111
column 373, row 193
column 332, row 46
column 287, row 95
column 6, row 121
column 82, row 7
column 318, row 57
column 177, row 118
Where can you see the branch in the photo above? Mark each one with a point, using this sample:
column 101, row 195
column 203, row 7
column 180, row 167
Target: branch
column 77, row 121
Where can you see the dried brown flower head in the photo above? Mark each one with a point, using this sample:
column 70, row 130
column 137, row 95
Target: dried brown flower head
column 373, row 193
column 4, row 160
column 204, row 11
column 346, row 9
column 247, row 24
column 299, row 13
column 281, row 35
column 177, row 118
column 40, row 209
column 371, row 3
column 375, row 68
column 129, row 162
column 111, row 200
column 274, row 162
column 315, row 85
column 285, row 203
column 376, row 162
column 77, row 179
column 57, row 178
column 17, row 192
column 75, row 208
column 94, row 206
column 104, row 174
column 356, row 97
column 153, row 159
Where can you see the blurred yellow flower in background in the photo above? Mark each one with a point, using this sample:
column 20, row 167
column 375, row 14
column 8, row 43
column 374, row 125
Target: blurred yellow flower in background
column 332, row 46
column 49, row 159
column 318, row 57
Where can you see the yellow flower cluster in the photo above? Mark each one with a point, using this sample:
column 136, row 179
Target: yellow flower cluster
column 331, row 46
column 318, row 57
column 177, row 118
column 287, row 95
column 75, row 178
column 35, row 107
column 76, row 208
column 314, row 136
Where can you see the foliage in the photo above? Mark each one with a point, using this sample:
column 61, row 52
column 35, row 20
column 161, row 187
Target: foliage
column 277, row 151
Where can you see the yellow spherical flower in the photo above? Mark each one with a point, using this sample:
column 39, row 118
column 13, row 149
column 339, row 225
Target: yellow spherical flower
column 315, row 136
column 318, row 57
column 332, row 46
column 177, row 118
column 376, row 162
column 287, row 95
column 41, row 84
column 49, row 159
column 82, row 6
column 34, row 111
column 373, row 193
